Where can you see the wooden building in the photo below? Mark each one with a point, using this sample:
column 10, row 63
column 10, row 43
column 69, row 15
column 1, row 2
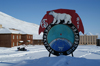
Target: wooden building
column 14, row 37
column 9, row 40
column 37, row 42
column 0, row 26
column 27, row 39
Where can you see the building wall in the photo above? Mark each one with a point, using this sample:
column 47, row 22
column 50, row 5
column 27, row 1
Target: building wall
column 5, row 40
column 0, row 26
column 11, row 40
column 27, row 38
column 38, row 42
column 24, row 38
column 88, row 39
column 15, row 38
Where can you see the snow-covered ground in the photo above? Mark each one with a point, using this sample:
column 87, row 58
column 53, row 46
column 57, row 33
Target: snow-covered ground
column 85, row 55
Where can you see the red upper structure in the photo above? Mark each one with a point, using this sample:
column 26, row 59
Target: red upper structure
column 64, row 14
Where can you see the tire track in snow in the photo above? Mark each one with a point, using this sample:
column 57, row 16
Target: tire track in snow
column 85, row 55
column 90, row 52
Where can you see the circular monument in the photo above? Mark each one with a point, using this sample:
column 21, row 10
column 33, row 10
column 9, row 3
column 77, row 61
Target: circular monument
column 61, row 29
column 61, row 39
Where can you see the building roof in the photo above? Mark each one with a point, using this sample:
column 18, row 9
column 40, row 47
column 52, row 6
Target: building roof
column 11, row 31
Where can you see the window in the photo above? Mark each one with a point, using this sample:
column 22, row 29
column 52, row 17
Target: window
column 38, row 40
column 13, row 44
column 17, row 43
column 17, row 36
column 20, row 37
column 29, row 37
column 91, row 38
column 13, row 36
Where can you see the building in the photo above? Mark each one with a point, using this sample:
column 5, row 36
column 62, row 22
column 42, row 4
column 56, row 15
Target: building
column 10, row 37
column 0, row 26
column 88, row 39
column 98, row 42
column 9, row 40
column 37, row 42
column 27, row 38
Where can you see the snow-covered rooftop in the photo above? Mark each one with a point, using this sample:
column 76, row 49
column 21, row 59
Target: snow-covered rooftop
column 7, row 31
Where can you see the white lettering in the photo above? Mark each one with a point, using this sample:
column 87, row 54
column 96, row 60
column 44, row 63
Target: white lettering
column 75, row 30
column 52, row 52
column 77, row 39
column 77, row 26
column 75, row 45
column 77, row 22
column 48, row 48
column 76, row 36
column 46, row 30
column 45, row 43
column 73, row 27
column 73, row 48
column 76, row 42
column 44, row 36
column 49, row 27
column 44, row 39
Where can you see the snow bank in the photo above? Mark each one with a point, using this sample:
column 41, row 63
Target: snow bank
column 59, row 61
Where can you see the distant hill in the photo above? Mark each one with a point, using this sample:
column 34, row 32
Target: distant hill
column 8, row 21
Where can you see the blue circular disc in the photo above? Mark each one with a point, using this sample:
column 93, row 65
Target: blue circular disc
column 60, row 31
column 60, row 44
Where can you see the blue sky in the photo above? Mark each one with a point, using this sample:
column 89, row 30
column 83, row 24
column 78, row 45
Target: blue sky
column 33, row 10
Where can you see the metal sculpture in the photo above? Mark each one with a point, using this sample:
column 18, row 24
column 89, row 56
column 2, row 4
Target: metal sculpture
column 61, row 29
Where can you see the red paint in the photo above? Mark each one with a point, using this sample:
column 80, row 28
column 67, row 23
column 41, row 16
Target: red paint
column 76, row 20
